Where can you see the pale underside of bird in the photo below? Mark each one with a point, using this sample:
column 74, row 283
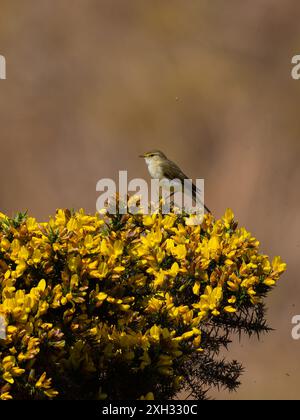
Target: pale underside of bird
column 160, row 167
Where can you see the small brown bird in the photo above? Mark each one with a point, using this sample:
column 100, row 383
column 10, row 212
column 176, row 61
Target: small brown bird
column 160, row 167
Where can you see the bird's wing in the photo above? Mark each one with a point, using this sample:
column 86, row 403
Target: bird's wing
column 172, row 171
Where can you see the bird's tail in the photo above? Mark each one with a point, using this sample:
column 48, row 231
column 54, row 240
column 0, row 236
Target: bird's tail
column 197, row 191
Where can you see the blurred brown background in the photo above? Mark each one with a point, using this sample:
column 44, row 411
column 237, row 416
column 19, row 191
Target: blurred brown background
column 93, row 83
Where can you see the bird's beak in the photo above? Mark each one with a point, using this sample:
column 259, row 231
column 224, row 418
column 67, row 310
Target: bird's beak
column 141, row 156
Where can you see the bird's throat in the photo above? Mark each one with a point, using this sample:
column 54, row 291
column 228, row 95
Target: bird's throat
column 154, row 168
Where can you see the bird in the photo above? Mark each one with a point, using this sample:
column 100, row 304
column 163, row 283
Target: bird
column 160, row 167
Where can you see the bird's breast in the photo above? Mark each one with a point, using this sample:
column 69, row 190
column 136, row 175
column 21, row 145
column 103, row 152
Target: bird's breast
column 155, row 169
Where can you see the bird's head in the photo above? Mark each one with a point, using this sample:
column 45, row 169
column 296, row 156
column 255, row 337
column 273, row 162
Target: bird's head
column 154, row 156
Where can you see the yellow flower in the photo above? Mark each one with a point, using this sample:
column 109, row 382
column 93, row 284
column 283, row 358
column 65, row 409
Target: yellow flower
column 21, row 267
column 269, row 282
column 232, row 299
column 169, row 244
column 148, row 396
column 154, row 305
column 266, row 265
column 155, row 332
column 102, row 270
column 119, row 269
column 153, row 238
column 168, row 221
column 36, row 256
column 278, row 266
column 74, row 263
column 5, row 244
column 234, row 283
column 250, row 282
column 229, row 309
column 2, row 216
column 23, row 253
column 197, row 341
column 80, row 282
column 93, row 265
column 7, row 376
column 149, row 220
column 189, row 334
column 11, row 329
column 74, row 282
column 213, row 245
column 228, row 218
column 101, row 296
column 45, row 385
column 60, row 217
column 72, row 225
column 31, row 224
column 118, row 248
column 210, row 300
column 196, row 288
column 15, row 247
column 42, row 285
column 174, row 270
column 179, row 252
column 88, row 242
column 159, row 278
column 5, row 396
column 51, row 393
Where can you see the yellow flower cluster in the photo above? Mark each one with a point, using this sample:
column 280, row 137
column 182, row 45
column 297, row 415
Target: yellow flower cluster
column 80, row 294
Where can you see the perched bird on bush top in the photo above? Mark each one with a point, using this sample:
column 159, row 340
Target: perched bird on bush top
column 160, row 167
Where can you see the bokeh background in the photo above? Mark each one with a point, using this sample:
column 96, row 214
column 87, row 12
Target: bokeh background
column 91, row 84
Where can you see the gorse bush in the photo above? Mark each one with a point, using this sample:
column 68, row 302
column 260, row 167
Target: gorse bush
column 126, row 306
